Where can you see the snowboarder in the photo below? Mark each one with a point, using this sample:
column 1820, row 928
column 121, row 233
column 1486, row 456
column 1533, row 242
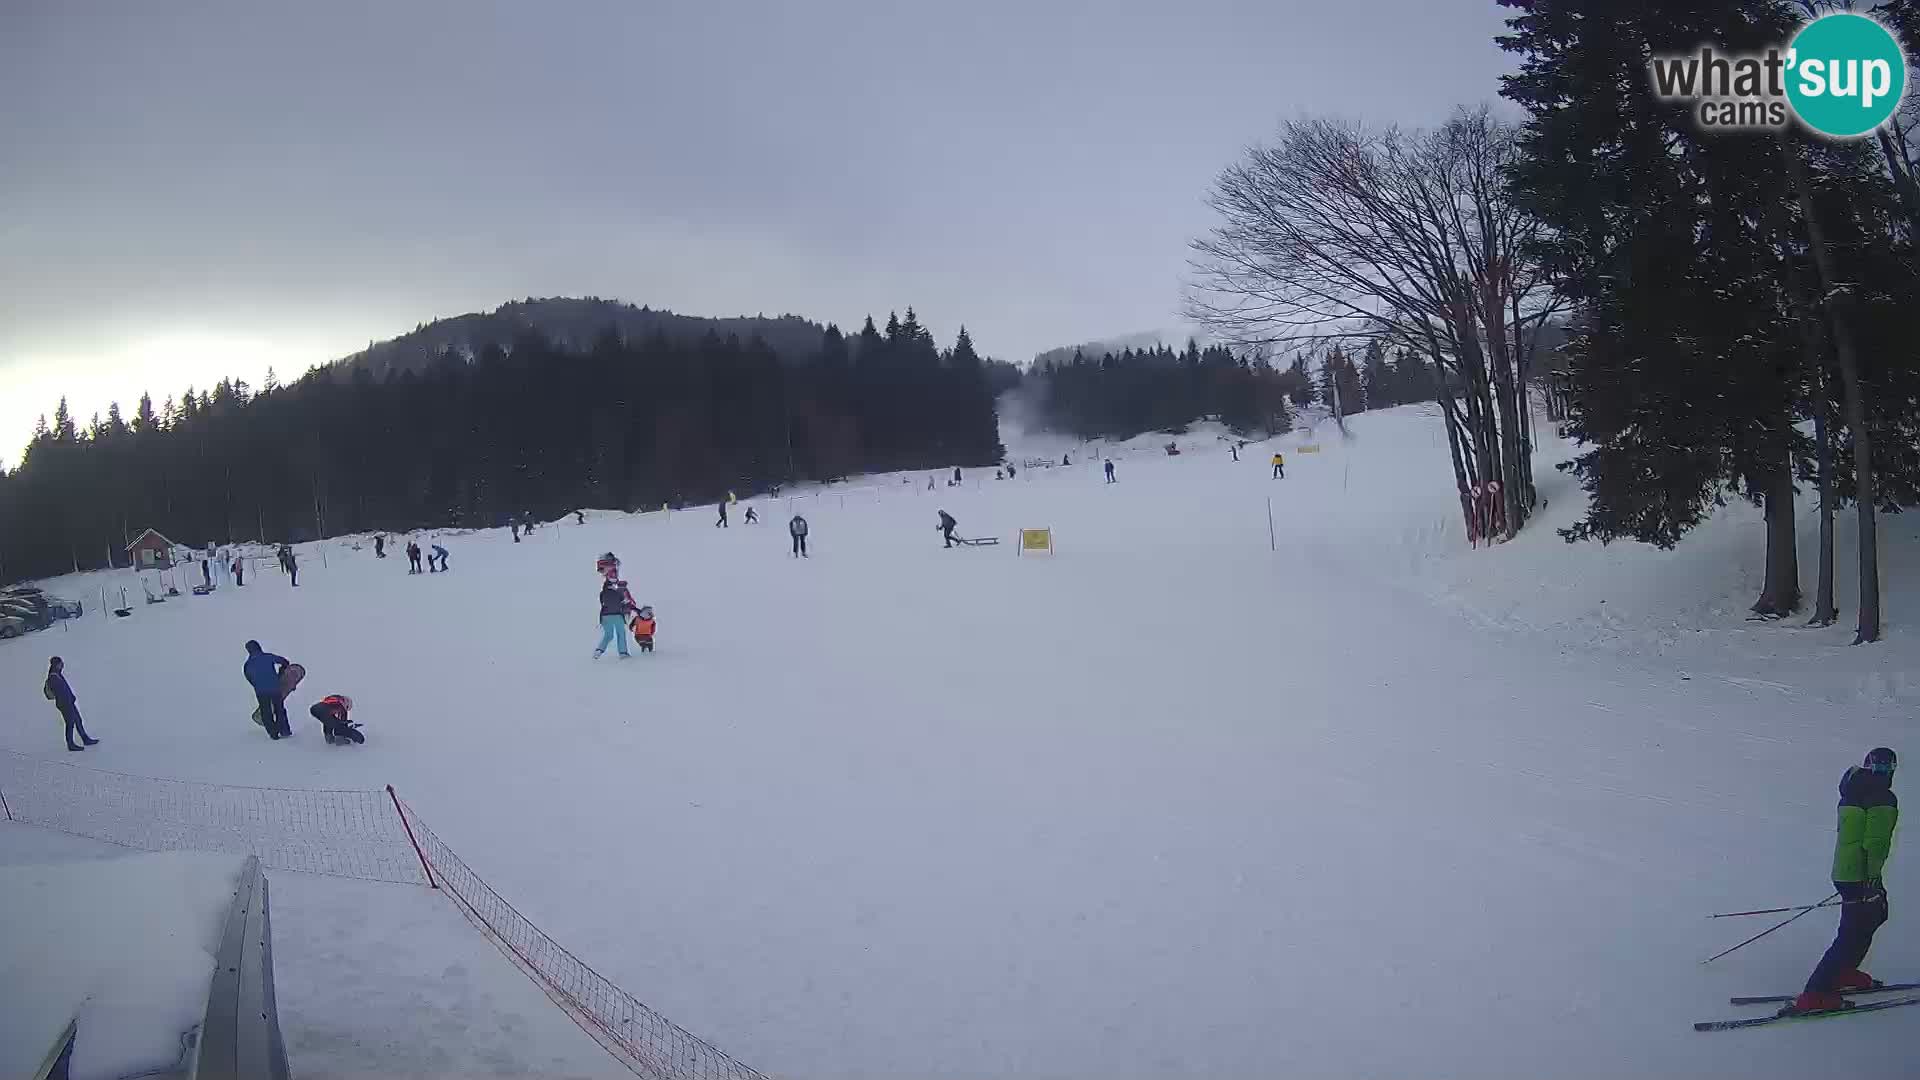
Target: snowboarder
column 262, row 670
column 752, row 518
column 947, row 525
column 999, row 474
column 580, row 517
column 1065, row 460
column 239, row 570
column 722, row 523
column 438, row 553
column 615, row 603
column 61, row 695
column 1868, row 813
column 1110, row 471
column 1279, row 466
column 797, row 528
column 413, row 557
column 643, row 625
column 332, row 712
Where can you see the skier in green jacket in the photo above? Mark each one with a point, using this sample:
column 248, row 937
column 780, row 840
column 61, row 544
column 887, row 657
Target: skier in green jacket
column 1868, row 814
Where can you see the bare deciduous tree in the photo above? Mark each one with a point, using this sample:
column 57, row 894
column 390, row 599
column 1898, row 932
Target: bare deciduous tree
column 1339, row 234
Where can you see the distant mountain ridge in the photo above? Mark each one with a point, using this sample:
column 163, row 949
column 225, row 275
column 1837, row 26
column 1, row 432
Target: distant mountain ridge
column 573, row 322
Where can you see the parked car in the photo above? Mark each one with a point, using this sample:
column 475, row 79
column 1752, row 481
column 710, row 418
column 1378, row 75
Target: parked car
column 55, row 607
column 12, row 625
column 32, row 611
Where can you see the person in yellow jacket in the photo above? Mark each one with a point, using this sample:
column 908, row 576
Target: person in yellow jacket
column 1279, row 466
column 1868, row 814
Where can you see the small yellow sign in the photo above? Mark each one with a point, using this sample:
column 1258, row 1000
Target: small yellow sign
column 1036, row 540
column 1310, row 448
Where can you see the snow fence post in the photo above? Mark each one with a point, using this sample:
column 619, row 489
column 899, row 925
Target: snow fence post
column 410, row 838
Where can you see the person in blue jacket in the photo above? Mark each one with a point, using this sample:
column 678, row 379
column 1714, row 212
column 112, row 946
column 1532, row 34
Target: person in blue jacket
column 61, row 694
column 263, row 674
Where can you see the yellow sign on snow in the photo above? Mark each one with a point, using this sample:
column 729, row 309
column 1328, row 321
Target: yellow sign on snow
column 1310, row 448
column 1036, row 540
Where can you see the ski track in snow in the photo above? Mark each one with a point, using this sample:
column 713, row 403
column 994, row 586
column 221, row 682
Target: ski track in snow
column 1165, row 804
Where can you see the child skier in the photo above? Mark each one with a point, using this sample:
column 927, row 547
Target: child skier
column 642, row 627
column 332, row 712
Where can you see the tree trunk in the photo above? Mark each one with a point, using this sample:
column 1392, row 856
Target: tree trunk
column 1855, row 399
column 1824, row 612
column 1780, row 594
column 1903, row 181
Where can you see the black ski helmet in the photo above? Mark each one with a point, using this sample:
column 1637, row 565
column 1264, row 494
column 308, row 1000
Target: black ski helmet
column 1881, row 760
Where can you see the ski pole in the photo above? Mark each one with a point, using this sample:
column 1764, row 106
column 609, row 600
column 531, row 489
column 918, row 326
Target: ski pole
column 1765, row 932
column 1779, row 910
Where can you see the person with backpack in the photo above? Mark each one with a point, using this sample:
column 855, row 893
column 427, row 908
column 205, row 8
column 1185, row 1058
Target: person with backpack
column 1868, row 813
column 947, row 525
column 797, row 528
column 262, row 671
column 615, row 603
column 61, row 694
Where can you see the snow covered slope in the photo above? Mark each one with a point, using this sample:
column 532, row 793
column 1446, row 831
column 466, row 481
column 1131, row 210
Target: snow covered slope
column 1169, row 803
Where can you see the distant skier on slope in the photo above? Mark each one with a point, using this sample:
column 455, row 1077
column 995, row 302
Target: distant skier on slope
column 722, row 523
column 439, row 553
column 1868, row 813
column 752, row 518
column 1110, row 478
column 1279, row 466
column 797, row 528
column 947, row 525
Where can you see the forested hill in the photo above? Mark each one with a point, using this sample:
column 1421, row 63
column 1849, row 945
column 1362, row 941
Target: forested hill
column 572, row 323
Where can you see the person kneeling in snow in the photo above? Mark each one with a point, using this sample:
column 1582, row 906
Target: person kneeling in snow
column 332, row 712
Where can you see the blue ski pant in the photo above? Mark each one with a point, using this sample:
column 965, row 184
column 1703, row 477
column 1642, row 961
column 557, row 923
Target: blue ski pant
column 613, row 630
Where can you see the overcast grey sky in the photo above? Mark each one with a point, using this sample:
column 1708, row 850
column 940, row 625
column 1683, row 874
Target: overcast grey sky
column 189, row 189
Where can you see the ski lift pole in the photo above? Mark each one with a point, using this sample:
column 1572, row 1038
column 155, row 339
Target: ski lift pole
column 1767, row 931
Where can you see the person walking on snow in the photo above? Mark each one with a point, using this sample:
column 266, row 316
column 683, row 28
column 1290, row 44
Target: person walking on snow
column 1868, row 814
column 1279, row 466
column 206, row 573
column 752, row 518
column 947, row 525
column 1110, row 471
column 61, row 695
column 956, row 476
column 262, row 670
column 413, row 557
column 239, row 570
column 379, row 546
column 292, row 563
column 722, row 523
column 797, row 528
column 615, row 603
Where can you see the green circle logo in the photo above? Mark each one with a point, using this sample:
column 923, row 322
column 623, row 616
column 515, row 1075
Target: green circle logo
column 1847, row 75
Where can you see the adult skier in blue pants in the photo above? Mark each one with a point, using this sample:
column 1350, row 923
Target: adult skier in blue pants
column 615, row 603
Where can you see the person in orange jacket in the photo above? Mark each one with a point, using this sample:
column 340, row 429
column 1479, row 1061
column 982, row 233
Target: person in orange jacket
column 332, row 712
column 642, row 627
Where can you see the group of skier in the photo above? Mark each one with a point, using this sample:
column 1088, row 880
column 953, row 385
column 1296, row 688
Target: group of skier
column 413, row 558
